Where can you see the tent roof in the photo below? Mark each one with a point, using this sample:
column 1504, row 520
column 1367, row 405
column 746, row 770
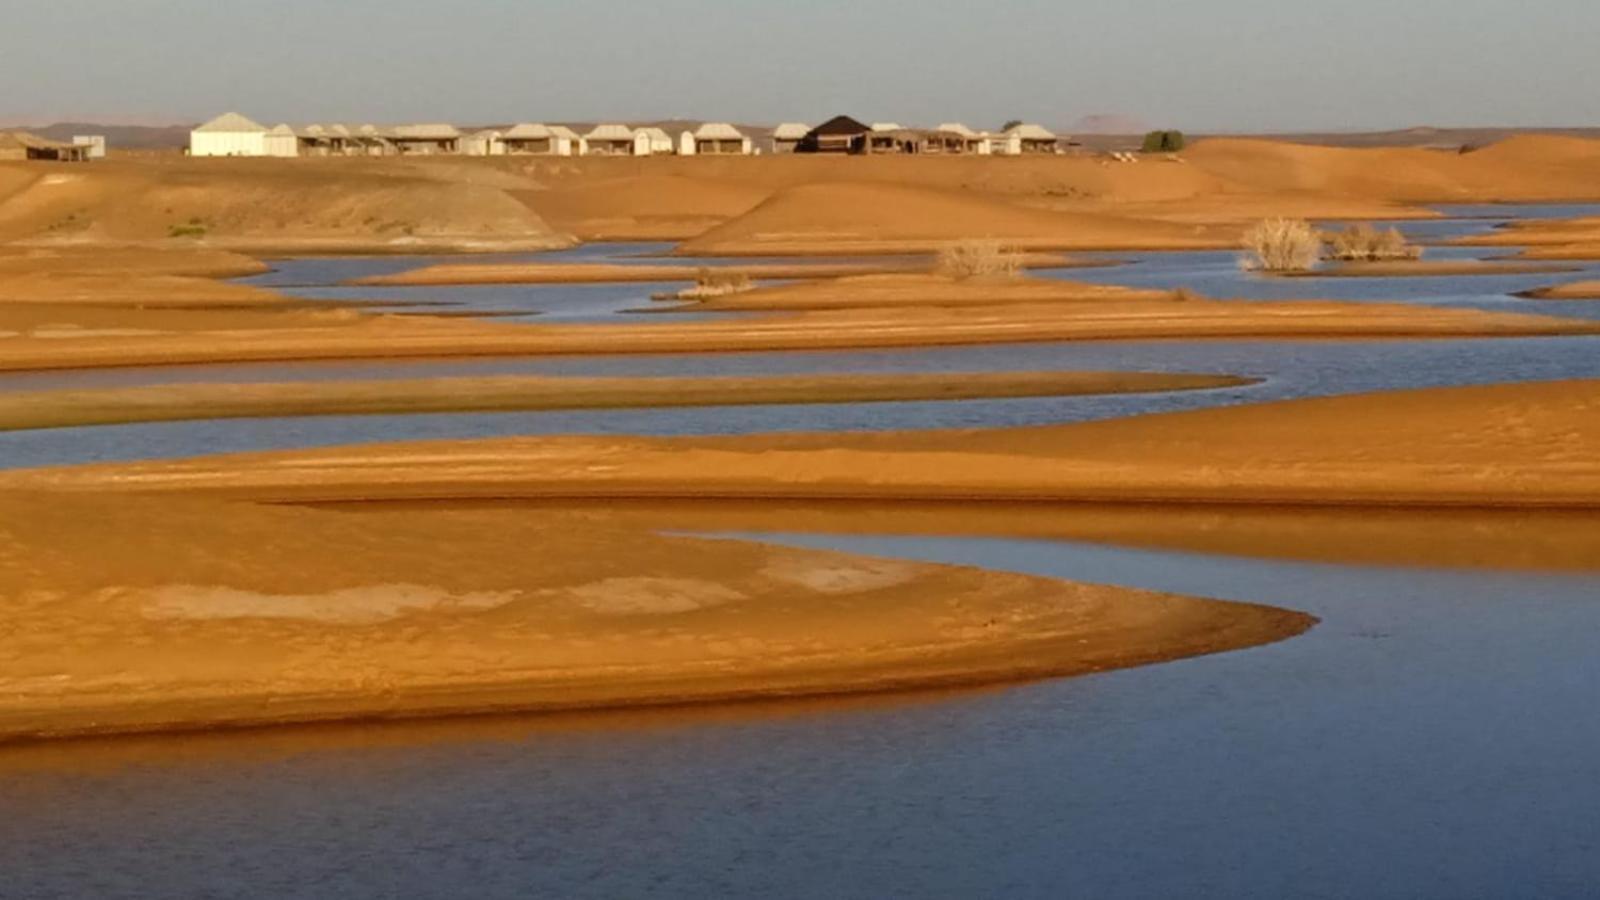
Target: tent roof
column 610, row 132
column 427, row 132
column 957, row 128
column 718, row 131
column 791, row 131
column 529, row 131
column 839, row 126
column 1031, row 132
column 30, row 141
column 231, row 123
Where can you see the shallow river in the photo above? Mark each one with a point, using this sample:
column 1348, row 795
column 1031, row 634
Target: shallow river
column 1435, row 736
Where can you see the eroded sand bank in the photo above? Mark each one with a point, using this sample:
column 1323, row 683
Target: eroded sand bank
column 381, row 337
column 178, row 402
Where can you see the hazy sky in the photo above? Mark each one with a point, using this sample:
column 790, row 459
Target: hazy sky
column 1248, row 65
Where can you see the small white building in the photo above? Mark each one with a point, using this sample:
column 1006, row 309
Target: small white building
column 426, row 140
column 1027, row 138
column 787, row 137
column 95, row 145
column 719, row 139
column 652, row 142
column 573, row 140
column 488, row 142
column 535, row 139
column 229, row 134
column 608, row 140
column 958, row 138
column 281, row 141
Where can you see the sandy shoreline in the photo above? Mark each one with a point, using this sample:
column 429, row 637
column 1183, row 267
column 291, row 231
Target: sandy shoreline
column 1437, row 447
column 403, row 337
column 184, row 402
column 203, row 615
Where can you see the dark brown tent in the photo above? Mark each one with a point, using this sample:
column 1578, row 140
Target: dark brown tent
column 840, row 134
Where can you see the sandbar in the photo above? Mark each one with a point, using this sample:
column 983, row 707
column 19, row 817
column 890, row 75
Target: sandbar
column 200, row 615
column 182, row 402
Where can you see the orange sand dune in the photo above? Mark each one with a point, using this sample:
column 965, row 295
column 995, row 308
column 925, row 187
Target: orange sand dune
column 1520, row 169
column 197, row 615
column 266, row 204
column 858, row 217
column 653, row 206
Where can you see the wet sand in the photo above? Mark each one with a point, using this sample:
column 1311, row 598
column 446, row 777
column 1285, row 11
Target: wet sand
column 396, row 337
column 1429, row 269
column 170, row 403
column 1532, row 540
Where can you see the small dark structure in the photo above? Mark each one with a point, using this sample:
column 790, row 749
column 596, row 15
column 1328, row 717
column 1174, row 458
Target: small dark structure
column 22, row 145
column 840, row 134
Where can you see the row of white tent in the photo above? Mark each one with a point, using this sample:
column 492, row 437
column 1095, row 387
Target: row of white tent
column 232, row 134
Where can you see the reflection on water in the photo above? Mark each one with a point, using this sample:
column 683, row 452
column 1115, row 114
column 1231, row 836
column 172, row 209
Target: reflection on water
column 1433, row 737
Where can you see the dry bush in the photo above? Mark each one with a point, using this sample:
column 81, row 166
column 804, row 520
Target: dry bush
column 979, row 259
column 1282, row 245
column 1363, row 243
column 710, row 282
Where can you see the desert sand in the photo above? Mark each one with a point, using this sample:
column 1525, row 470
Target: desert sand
column 1577, row 290
column 1537, row 540
column 531, row 574
column 197, row 615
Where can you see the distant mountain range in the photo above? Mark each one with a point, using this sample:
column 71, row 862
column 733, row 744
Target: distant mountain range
column 126, row 137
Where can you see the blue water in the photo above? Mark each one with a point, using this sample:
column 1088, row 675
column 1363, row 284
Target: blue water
column 1288, row 369
column 1434, row 737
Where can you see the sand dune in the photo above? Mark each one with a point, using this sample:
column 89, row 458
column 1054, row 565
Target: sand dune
column 649, row 206
column 264, row 205
column 843, row 218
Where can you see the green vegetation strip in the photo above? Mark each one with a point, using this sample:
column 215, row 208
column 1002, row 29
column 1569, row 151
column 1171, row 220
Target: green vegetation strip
column 187, row 402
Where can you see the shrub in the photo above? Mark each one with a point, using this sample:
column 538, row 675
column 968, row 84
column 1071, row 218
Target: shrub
column 979, row 259
column 1164, row 142
column 711, row 282
column 193, row 228
column 1363, row 243
column 1282, row 245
